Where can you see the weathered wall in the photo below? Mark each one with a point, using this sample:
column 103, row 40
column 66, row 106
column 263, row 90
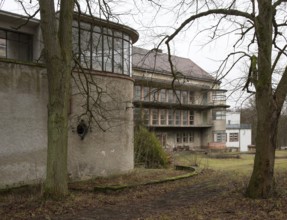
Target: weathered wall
column 103, row 152
column 23, row 118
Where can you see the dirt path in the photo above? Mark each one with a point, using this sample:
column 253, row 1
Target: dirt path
column 162, row 198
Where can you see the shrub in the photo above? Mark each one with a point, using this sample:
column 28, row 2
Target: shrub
column 148, row 150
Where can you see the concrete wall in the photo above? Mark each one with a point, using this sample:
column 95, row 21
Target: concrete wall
column 23, row 118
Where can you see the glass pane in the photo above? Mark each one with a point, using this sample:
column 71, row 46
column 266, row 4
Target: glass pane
column 85, row 26
column 85, row 49
column 163, row 117
column 185, row 117
column 97, row 52
column 146, row 93
column 170, row 96
column 177, row 117
column 118, row 55
column 146, row 116
column 108, row 53
column 154, row 117
column 13, row 49
column 2, row 47
column 184, row 97
column 75, row 43
column 127, row 60
column 163, row 95
column 107, row 31
column 170, row 117
column 97, row 29
column 137, row 95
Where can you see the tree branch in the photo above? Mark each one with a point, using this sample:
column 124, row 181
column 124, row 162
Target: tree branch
column 231, row 12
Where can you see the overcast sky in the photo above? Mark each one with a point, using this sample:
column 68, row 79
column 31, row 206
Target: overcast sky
column 153, row 21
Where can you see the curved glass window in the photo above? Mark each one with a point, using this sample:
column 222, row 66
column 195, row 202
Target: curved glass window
column 103, row 49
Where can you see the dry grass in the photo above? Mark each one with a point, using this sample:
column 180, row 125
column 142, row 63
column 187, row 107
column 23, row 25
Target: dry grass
column 214, row 194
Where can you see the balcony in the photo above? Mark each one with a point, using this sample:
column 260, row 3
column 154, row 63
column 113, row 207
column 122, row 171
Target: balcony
column 199, row 105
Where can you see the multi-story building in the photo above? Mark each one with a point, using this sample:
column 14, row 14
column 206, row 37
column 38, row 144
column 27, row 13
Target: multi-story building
column 184, row 107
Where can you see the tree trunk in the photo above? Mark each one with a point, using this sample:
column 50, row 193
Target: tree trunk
column 56, row 179
column 261, row 184
column 57, row 38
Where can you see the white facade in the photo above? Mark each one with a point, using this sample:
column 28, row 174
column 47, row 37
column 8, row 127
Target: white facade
column 238, row 135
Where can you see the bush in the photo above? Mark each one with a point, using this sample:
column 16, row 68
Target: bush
column 148, row 150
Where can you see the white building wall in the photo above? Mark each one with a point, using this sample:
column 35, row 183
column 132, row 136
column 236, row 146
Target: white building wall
column 244, row 135
column 245, row 139
column 233, row 118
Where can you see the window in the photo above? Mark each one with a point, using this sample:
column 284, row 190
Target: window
column 218, row 114
column 118, row 53
column 184, row 97
column 146, row 116
column 162, row 117
column 178, row 138
column 184, row 137
column 191, row 117
column 154, row 116
column 170, row 96
column 108, row 53
column 218, row 96
column 163, row 95
column 97, row 51
column 177, row 117
column 15, row 45
column 233, row 137
column 191, row 137
column 146, row 93
column 220, row 136
column 191, row 97
column 177, row 96
column 204, row 98
column 154, row 94
column 170, row 117
column 137, row 95
column 102, row 49
column 185, row 117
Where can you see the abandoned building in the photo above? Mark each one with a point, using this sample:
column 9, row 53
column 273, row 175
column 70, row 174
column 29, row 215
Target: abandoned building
column 184, row 107
column 97, row 145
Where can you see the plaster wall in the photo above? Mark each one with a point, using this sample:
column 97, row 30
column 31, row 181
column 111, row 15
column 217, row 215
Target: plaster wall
column 23, row 122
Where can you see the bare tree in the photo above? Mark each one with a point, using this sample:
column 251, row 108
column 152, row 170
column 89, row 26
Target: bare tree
column 56, row 27
column 261, row 25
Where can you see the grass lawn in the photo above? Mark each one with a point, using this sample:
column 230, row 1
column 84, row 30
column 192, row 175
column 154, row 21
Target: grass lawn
column 242, row 165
